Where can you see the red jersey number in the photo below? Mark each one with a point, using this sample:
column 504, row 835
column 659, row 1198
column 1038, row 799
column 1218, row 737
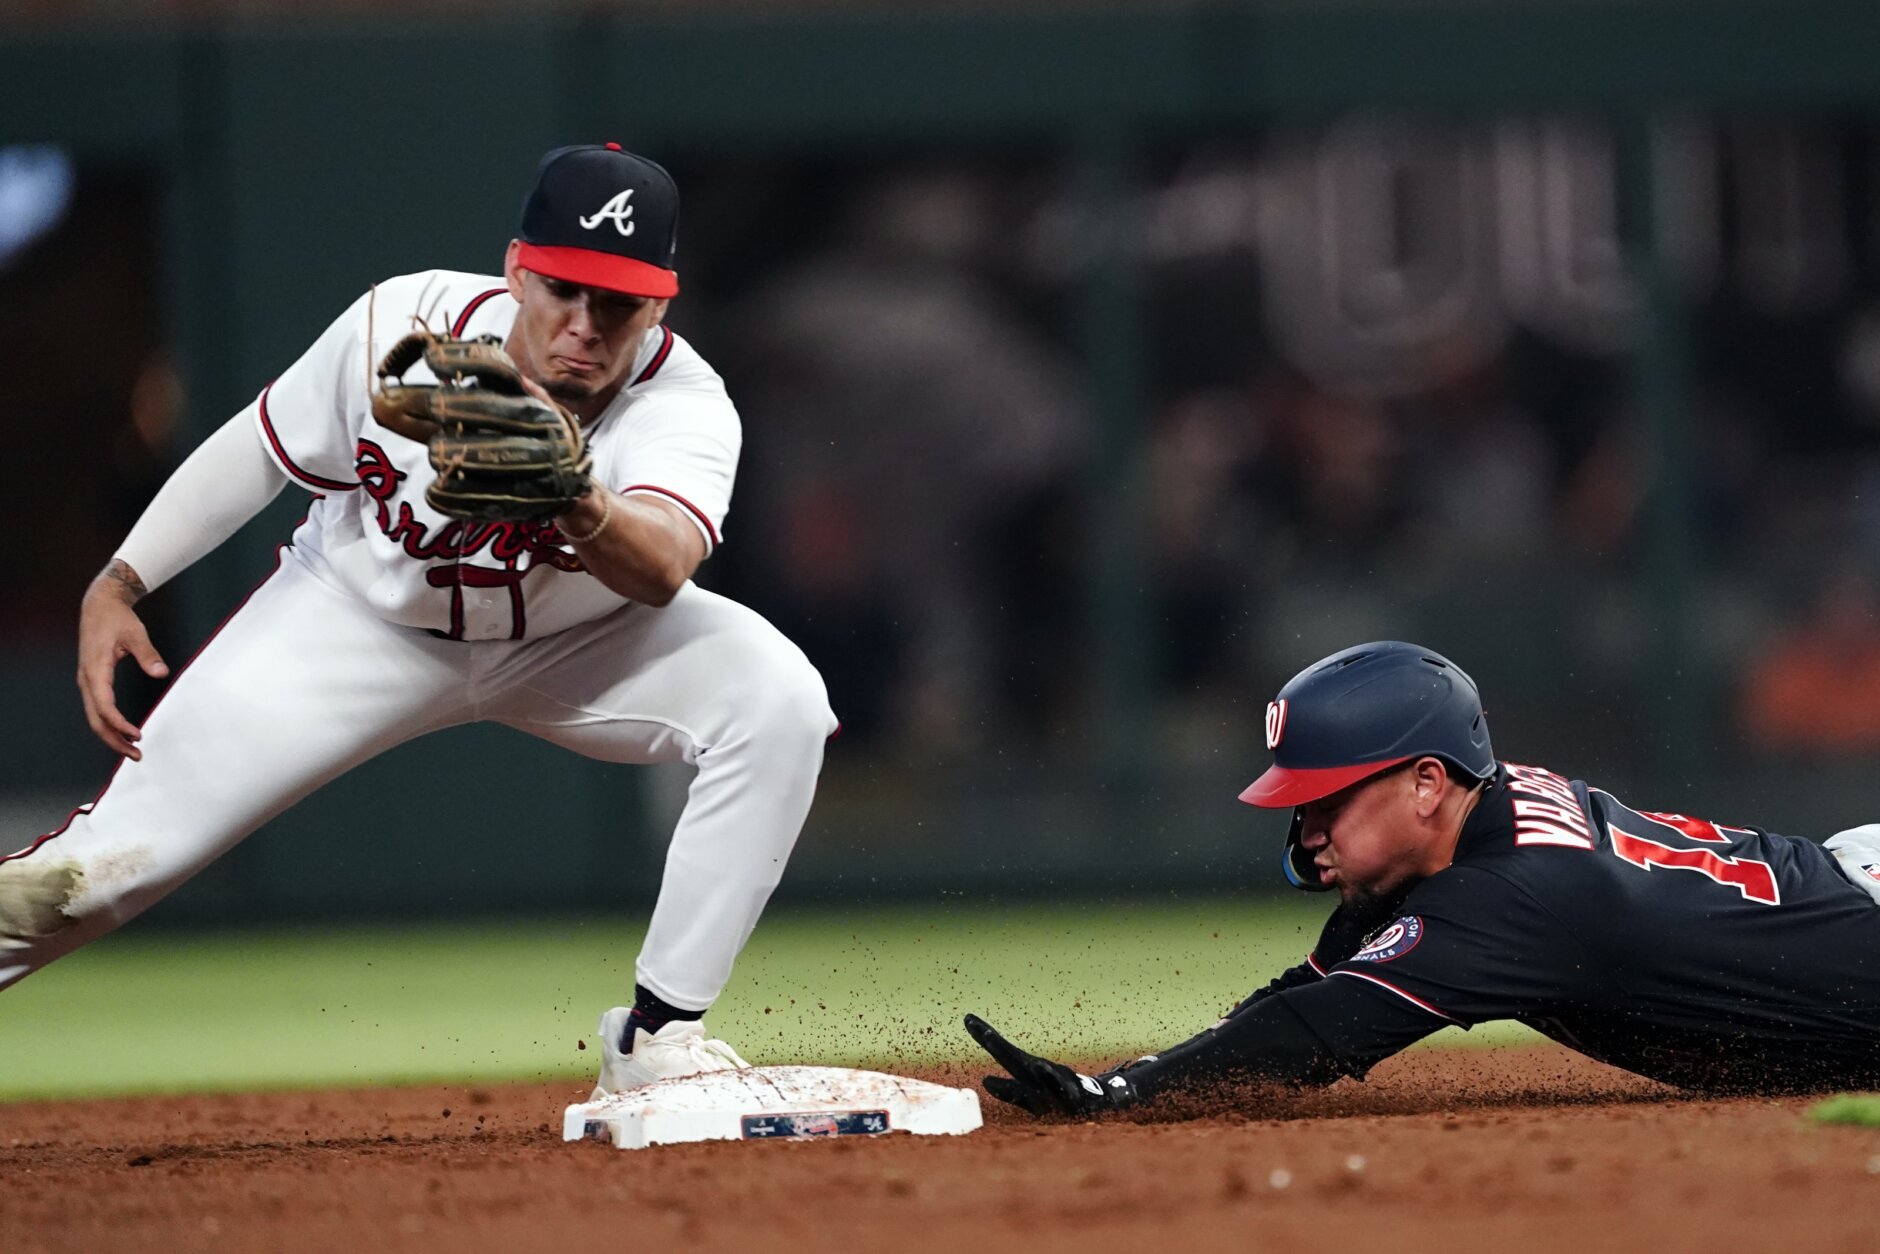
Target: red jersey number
column 1755, row 880
column 1697, row 829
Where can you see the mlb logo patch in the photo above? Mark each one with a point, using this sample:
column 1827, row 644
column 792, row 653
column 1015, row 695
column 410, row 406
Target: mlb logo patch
column 1873, row 871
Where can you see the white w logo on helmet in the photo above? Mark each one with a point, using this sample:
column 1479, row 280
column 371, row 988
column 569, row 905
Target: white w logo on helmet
column 1275, row 723
column 616, row 210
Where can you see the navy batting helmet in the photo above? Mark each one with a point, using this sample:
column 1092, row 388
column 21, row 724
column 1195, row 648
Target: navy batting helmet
column 1364, row 710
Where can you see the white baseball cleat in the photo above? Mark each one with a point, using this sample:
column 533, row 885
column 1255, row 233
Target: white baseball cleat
column 679, row 1048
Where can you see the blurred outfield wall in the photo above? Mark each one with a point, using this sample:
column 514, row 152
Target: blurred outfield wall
column 1099, row 368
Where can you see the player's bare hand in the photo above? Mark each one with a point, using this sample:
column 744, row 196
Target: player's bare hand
column 108, row 631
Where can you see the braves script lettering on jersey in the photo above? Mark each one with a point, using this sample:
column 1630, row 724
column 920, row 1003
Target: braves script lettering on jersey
column 386, row 620
column 1703, row 955
column 672, row 432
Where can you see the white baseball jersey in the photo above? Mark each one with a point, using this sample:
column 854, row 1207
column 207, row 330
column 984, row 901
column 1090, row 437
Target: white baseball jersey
column 514, row 632
column 671, row 432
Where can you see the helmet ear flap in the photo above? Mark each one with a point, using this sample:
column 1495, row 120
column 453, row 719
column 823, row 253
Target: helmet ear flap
column 1296, row 862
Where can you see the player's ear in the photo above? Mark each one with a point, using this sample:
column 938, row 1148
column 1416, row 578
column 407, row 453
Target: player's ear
column 659, row 310
column 512, row 268
column 1429, row 780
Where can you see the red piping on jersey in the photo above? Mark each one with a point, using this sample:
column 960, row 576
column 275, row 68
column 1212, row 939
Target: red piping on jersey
column 89, row 806
column 1412, row 998
column 697, row 513
column 659, row 359
column 280, row 451
column 1312, row 960
column 469, row 311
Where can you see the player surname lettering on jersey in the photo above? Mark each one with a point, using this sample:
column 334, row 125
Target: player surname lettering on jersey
column 1545, row 810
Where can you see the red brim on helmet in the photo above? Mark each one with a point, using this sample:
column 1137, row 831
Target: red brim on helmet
column 1282, row 788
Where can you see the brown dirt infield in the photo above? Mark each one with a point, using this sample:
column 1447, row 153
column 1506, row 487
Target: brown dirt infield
column 1518, row 1150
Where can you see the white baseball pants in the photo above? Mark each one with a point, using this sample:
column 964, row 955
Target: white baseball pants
column 304, row 682
column 1858, row 851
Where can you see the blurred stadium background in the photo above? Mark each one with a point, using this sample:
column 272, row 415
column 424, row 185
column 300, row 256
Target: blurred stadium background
column 1100, row 364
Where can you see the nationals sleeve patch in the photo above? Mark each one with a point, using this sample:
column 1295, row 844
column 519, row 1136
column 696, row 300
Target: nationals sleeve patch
column 1396, row 940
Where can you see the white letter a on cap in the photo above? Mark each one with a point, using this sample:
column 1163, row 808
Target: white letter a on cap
column 617, row 211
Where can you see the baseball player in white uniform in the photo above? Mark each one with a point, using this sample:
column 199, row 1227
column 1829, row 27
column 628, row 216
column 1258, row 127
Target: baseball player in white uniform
column 385, row 619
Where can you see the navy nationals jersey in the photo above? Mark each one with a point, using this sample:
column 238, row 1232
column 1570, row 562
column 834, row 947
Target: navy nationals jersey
column 1704, row 955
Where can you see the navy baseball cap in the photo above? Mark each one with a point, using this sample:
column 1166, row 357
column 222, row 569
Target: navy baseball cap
column 1364, row 710
column 602, row 217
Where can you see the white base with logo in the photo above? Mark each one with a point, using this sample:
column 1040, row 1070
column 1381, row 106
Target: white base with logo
column 766, row 1103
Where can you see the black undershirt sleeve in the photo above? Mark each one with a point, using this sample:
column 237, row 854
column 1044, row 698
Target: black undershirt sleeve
column 1304, row 1036
column 1343, row 933
column 1467, row 945
column 1291, row 977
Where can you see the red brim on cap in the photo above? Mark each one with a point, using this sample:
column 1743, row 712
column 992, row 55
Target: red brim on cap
column 1282, row 788
column 592, row 268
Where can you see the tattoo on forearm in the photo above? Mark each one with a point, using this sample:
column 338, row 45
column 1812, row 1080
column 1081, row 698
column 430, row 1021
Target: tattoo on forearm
column 120, row 573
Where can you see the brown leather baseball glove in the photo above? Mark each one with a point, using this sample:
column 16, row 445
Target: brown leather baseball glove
column 500, row 454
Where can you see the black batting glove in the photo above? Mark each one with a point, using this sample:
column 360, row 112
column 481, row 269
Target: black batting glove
column 1043, row 1087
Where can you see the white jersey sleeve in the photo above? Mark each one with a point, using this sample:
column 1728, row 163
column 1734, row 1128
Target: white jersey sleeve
column 224, row 483
column 677, row 438
column 308, row 416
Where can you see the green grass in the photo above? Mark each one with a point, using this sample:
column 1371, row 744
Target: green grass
column 157, row 1011
column 1856, row 1108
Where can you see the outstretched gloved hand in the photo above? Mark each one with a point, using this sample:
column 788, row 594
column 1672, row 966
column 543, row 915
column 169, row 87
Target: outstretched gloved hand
column 1044, row 1087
